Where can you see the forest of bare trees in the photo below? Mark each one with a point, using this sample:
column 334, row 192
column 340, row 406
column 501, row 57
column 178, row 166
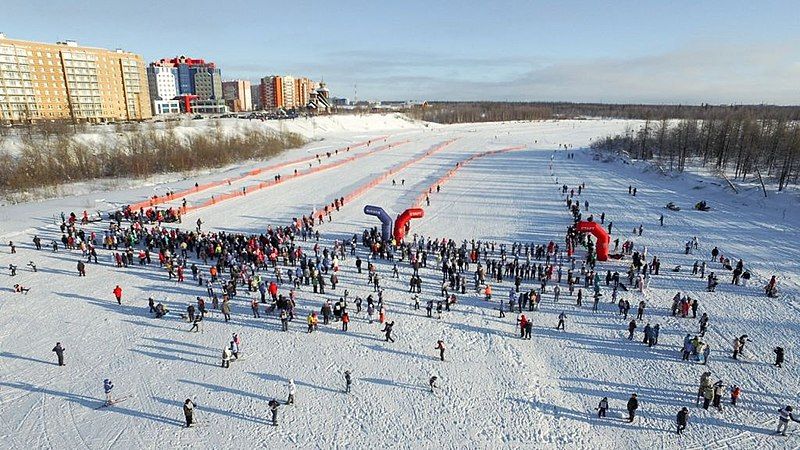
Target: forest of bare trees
column 738, row 145
column 50, row 155
column 461, row 112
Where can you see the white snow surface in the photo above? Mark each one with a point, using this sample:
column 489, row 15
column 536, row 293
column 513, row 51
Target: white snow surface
column 497, row 391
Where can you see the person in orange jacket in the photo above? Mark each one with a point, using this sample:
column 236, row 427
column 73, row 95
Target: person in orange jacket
column 118, row 294
column 345, row 320
column 488, row 292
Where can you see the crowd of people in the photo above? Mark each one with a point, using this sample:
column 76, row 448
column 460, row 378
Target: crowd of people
column 274, row 269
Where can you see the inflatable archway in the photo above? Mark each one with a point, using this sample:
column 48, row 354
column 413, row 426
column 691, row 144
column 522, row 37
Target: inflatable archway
column 402, row 220
column 603, row 239
column 385, row 218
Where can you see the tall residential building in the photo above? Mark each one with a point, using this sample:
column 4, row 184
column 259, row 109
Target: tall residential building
column 289, row 97
column 64, row 81
column 199, row 83
column 271, row 92
column 285, row 92
column 255, row 95
column 238, row 95
column 163, row 84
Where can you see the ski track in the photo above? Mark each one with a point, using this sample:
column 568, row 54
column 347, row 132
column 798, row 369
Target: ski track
column 496, row 390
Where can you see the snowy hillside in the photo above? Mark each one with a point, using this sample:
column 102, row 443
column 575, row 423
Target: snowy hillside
column 494, row 390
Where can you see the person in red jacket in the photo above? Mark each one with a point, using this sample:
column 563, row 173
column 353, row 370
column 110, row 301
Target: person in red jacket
column 273, row 291
column 523, row 321
column 345, row 320
column 180, row 274
column 118, row 294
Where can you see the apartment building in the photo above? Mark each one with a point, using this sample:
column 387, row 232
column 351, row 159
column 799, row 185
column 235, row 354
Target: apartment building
column 286, row 92
column 65, row 81
column 271, row 92
column 238, row 95
column 199, row 85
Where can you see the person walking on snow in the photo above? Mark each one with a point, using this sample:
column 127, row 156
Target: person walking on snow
column 602, row 407
column 682, row 419
column 347, row 381
column 59, row 353
column 784, row 415
column 118, row 294
column 188, row 412
column 273, row 407
column 226, row 357
column 633, row 405
column 778, row 356
column 440, row 347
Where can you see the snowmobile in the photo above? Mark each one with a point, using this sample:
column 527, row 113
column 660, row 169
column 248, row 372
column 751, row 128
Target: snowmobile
column 673, row 207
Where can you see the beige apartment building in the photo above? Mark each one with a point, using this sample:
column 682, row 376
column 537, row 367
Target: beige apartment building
column 238, row 95
column 64, row 81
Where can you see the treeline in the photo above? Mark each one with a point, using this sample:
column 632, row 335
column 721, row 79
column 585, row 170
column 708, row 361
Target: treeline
column 461, row 112
column 46, row 158
column 739, row 145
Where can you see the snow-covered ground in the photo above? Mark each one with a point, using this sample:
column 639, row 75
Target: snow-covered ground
column 496, row 390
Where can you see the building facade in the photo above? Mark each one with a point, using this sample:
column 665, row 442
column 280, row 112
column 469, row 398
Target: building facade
column 271, row 92
column 238, row 95
column 65, row 81
column 255, row 96
column 285, row 91
column 197, row 83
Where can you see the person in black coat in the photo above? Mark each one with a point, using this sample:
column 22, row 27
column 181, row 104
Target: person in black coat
column 778, row 356
column 59, row 353
column 633, row 405
column 682, row 419
column 273, row 407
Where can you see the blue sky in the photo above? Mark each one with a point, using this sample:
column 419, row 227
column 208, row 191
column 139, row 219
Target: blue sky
column 599, row 51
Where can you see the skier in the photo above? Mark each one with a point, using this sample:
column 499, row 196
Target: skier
column 633, row 405
column 188, row 412
column 59, row 353
column 387, row 329
column 107, row 387
column 440, row 347
column 561, row 322
column 292, row 389
column 347, row 381
column 785, row 414
column 602, row 407
column 683, row 419
column 273, row 406
column 432, row 383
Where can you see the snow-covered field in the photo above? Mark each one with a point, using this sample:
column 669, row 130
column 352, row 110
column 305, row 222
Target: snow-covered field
column 496, row 390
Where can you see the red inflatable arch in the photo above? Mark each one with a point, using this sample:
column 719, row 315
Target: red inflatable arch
column 603, row 239
column 402, row 220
